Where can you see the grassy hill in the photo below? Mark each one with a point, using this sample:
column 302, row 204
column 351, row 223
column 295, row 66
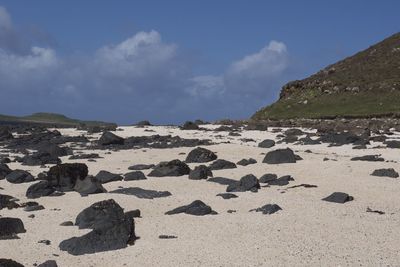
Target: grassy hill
column 363, row 85
column 49, row 118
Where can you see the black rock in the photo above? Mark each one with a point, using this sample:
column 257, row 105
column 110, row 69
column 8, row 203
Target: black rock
column 268, row 177
column 64, row 176
column 32, row 206
column 167, row 237
column 5, row 134
column 40, row 158
column 9, row 263
column 280, row 156
column 375, row 211
column 200, row 172
column 49, row 263
column 10, row 227
column 89, row 185
column 99, row 215
column 108, row 138
column 85, row 156
column 134, row 176
column 8, row 202
column 189, row 126
column 247, row 183
column 139, row 167
column 141, row 193
column 222, row 180
column 133, row 213
column 221, row 164
column 112, row 230
column 4, row 170
column 227, row 195
column 200, row 155
column 368, row 158
column 197, row 208
column 267, row 143
column 386, row 173
column 245, row 162
column 40, row 189
column 45, row 241
column 67, row 223
column 294, row 132
column 143, row 123
column 392, row 144
column 19, row 176
column 338, row 197
column 284, row 180
column 171, row 168
column 268, row 209
column 106, row 177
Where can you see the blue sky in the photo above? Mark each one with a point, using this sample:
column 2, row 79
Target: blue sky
column 171, row 61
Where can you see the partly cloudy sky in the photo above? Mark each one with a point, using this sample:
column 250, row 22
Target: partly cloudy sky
column 144, row 75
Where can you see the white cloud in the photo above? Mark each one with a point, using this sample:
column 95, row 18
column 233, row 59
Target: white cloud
column 5, row 20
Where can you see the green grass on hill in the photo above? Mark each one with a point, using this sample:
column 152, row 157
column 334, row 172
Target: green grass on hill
column 345, row 105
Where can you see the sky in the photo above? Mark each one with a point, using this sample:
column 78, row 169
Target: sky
column 172, row 61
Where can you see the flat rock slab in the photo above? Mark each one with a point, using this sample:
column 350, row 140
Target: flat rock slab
column 106, row 177
column 386, row 173
column 227, row 195
column 268, row 209
column 197, row 208
column 140, row 167
column 134, row 176
column 245, row 162
column 222, row 180
column 221, row 164
column 338, row 197
column 368, row 158
column 141, row 193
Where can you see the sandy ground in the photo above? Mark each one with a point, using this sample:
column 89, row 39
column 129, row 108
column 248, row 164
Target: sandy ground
column 307, row 232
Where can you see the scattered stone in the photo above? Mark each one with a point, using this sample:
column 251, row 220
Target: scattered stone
column 338, row 197
column 268, row 177
column 139, row 167
column 19, row 176
column 134, row 176
column 386, row 173
column 108, row 138
column 106, row 177
column 197, row 208
column 86, row 156
column 200, row 172
column 9, row 262
column 267, row 143
column 32, row 206
column 171, row 168
column 368, row 158
column 200, row 155
column 375, row 211
column 49, row 263
column 221, row 164
column 64, row 176
column 247, row 183
column 45, row 241
column 40, row 158
column 280, row 156
column 227, row 195
column 189, row 125
column 302, row 185
column 231, row 211
column 67, row 223
column 222, row 180
column 40, row 189
column 4, row 170
column 141, row 193
column 89, row 185
column 245, row 162
column 8, row 202
column 167, row 236
column 133, row 213
column 10, row 227
column 268, row 209
column 281, row 181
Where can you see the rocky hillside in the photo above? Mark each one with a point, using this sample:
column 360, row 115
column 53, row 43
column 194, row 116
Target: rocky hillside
column 363, row 85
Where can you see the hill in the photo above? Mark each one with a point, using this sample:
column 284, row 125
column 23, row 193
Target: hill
column 48, row 118
column 366, row 84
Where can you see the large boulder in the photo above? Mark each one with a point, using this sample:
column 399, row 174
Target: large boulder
column 247, row 183
column 106, row 177
column 280, row 156
column 108, row 138
column 64, row 176
column 221, row 164
column 19, row 176
column 40, row 189
column 112, row 229
column 171, row 168
column 197, row 208
column 10, row 227
column 200, row 155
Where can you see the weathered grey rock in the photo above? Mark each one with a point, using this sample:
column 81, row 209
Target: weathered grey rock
column 40, row 189
column 171, row 168
column 88, row 186
column 200, row 172
column 338, row 197
column 268, row 209
column 227, row 195
column 268, row 177
column 64, row 176
column 200, row 155
column 280, row 156
column 368, row 158
column 247, row 183
column 267, row 143
column 10, row 227
column 134, row 176
column 19, row 176
column 386, row 173
column 245, row 162
column 141, row 193
column 106, row 177
column 108, row 138
column 221, row 164
column 197, row 208
column 139, row 167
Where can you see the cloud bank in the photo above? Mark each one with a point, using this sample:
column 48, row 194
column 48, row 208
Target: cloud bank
column 142, row 77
